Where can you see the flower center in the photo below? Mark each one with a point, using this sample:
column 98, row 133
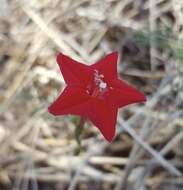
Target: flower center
column 98, row 87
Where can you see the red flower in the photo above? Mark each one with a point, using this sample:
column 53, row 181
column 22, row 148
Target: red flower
column 94, row 92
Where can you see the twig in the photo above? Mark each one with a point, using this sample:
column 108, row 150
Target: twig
column 54, row 35
column 155, row 154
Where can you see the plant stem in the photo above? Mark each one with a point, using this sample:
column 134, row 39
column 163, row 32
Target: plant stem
column 78, row 132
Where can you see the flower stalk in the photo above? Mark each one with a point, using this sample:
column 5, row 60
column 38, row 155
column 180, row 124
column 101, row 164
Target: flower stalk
column 78, row 133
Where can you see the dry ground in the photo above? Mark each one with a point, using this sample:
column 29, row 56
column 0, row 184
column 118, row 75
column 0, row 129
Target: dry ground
column 38, row 151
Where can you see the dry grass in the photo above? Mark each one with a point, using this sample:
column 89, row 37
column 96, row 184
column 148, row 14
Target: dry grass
column 38, row 151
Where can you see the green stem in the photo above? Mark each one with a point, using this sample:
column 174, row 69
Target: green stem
column 78, row 132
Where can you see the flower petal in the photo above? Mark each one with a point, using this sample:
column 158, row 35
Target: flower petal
column 104, row 117
column 107, row 66
column 74, row 73
column 121, row 94
column 73, row 100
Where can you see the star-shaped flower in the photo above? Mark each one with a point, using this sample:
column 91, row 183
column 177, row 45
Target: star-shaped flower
column 94, row 92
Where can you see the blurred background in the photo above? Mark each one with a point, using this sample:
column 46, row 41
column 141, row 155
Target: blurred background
column 39, row 151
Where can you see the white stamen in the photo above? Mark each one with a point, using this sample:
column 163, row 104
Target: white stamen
column 102, row 85
column 98, row 80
